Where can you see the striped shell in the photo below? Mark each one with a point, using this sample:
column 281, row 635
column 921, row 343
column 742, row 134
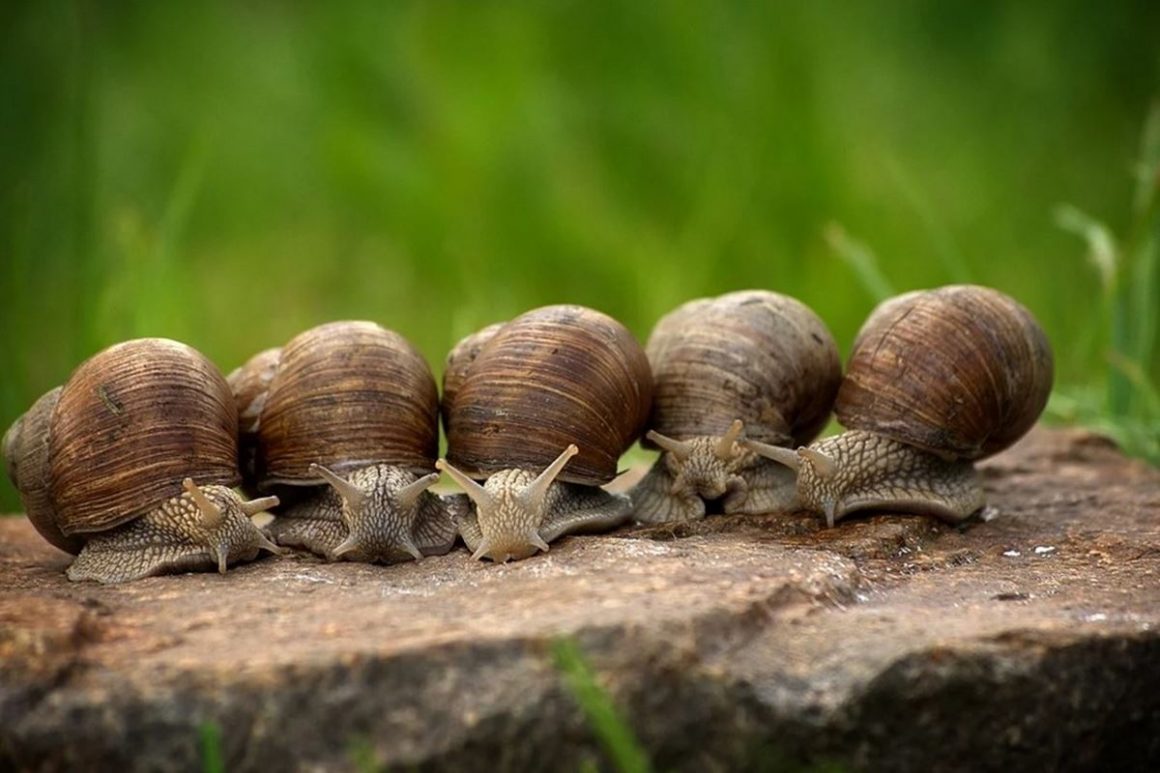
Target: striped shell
column 961, row 371
column 344, row 395
column 552, row 377
column 753, row 355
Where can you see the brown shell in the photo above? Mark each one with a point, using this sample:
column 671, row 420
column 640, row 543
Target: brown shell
column 131, row 423
column 347, row 394
column 459, row 359
column 250, row 384
column 26, row 447
column 553, row 376
column 753, row 355
column 962, row 371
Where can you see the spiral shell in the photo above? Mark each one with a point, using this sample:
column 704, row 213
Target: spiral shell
column 26, row 448
column 120, row 436
column 753, row 355
column 961, row 371
column 345, row 395
column 555, row 376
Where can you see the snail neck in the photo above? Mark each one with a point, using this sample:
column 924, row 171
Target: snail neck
column 860, row 470
column 179, row 535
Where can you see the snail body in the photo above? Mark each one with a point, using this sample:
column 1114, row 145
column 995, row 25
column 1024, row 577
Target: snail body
column 540, row 409
column 343, row 422
column 752, row 363
column 936, row 380
column 106, row 466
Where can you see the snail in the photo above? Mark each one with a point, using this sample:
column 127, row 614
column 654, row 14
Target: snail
column 936, row 380
column 752, row 362
column 344, row 419
column 106, row 466
column 540, row 409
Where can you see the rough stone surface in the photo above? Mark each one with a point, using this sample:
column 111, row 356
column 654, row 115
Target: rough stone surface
column 1028, row 642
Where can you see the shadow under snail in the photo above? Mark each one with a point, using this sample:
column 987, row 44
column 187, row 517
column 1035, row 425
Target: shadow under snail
column 936, row 380
column 540, row 409
column 343, row 422
column 106, row 466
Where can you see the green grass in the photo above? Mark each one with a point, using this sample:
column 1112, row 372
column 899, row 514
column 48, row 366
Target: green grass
column 211, row 748
column 231, row 174
column 1125, row 402
column 609, row 726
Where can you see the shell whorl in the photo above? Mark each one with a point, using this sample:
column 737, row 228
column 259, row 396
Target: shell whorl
column 346, row 395
column 552, row 377
column 753, row 355
column 26, row 446
column 961, row 371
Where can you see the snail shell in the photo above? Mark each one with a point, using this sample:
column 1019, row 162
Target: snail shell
column 346, row 395
column 936, row 380
column 962, row 371
column 552, row 377
column 459, row 359
column 752, row 361
column 116, row 443
column 541, row 408
column 353, row 405
column 753, row 355
column 251, row 385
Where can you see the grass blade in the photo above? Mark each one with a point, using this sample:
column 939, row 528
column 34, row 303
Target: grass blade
column 211, row 748
column 609, row 726
column 861, row 260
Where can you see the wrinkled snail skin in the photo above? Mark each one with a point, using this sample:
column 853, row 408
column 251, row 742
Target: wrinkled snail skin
column 380, row 513
column 517, row 513
column 937, row 380
column 707, row 469
column 538, row 412
column 343, row 422
column 178, row 536
column 864, row 471
column 106, row 466
column 751, row 365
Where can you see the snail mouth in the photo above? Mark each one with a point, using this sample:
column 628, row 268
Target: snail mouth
column 515, row 547
column 714, row 505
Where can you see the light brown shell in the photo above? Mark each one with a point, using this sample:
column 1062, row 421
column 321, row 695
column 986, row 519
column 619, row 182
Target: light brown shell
column 962, row 371
column 346, row 395
column 551, row 377
column 753, row 355
column 250, row 384
column 130, row 424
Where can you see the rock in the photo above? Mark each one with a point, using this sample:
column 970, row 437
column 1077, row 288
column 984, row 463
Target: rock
column 1030, row 641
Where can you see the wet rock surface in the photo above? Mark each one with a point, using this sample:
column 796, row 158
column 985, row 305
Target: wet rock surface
column 1029, row 641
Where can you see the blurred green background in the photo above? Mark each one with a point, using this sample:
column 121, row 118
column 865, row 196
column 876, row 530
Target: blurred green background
column 231, row 173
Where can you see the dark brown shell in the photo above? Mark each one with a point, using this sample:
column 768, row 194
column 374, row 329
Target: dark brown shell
column 345, row 395
column 554, row 376
column 26, row 446
column 962, row 371
column 459, row 359
column 753, row 355
column 131, row 423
